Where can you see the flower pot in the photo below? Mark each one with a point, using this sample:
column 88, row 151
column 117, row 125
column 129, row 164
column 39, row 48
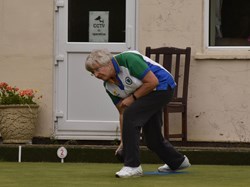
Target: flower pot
column 17, row 123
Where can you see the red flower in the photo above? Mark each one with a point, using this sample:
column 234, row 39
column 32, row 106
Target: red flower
column 12, row 95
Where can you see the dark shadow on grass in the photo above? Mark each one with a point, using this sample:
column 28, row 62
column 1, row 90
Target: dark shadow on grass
column 164, row 173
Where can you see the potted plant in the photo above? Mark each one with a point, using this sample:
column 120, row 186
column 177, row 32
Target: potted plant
column 18, row 114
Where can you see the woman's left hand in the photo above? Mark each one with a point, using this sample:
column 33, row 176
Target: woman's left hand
column 127, row 101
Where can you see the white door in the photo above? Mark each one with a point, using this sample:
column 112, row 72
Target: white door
column 82, row 109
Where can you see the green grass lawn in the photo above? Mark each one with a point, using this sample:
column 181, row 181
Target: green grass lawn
column 95, row 174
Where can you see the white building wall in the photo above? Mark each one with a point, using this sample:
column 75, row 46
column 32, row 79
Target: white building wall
column 26, row 51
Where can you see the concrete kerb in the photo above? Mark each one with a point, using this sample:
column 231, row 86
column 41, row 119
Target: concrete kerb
column 105, row 154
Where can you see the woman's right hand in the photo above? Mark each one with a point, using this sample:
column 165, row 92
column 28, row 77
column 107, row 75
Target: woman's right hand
column 119, row 148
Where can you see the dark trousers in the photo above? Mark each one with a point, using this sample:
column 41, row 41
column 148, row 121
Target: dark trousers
column 146, row 113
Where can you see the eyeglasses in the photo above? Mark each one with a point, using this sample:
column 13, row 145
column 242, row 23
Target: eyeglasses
column 97, row 70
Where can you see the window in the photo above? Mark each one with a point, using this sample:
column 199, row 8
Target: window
column 229, row 23
column 78, row 22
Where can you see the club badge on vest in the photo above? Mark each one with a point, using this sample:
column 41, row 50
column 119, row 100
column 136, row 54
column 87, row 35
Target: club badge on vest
column 128, row 81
